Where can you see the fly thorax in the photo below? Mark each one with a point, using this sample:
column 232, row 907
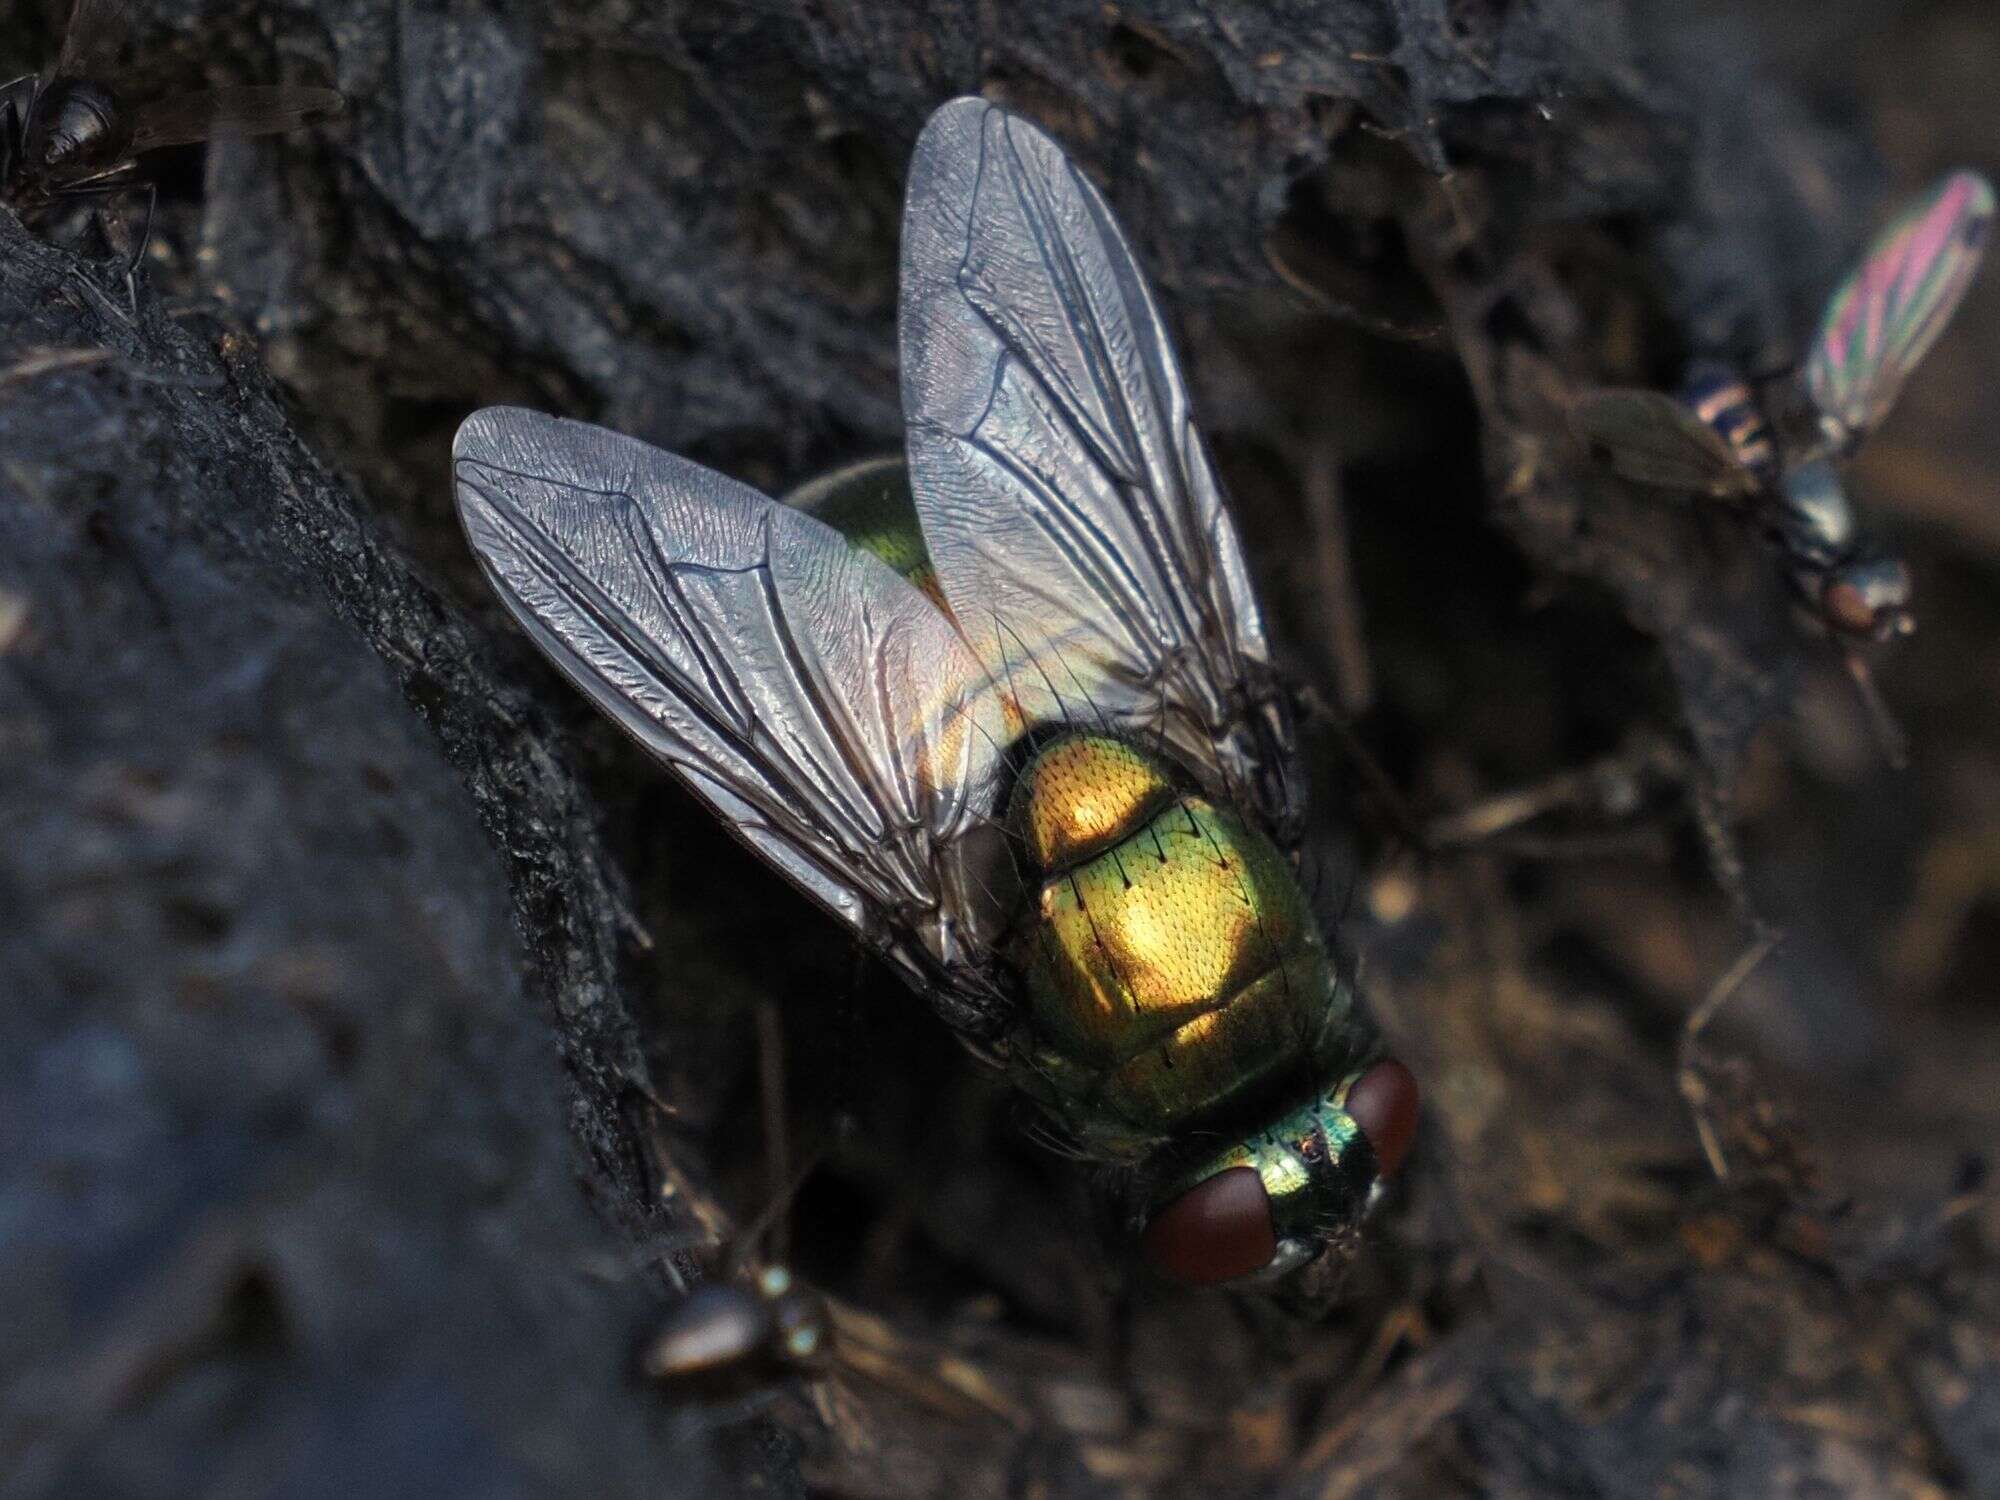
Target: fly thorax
column 1169, row 960
column 1817, row 520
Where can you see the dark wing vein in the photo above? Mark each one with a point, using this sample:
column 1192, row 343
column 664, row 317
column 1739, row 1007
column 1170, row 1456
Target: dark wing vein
column 1062, row 486
column 816, row 699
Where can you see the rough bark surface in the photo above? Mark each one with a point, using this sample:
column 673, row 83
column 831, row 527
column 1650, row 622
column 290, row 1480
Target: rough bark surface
column 382, row 1036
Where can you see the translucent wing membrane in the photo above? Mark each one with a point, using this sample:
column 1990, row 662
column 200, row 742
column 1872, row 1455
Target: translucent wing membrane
column 823, row 706
column 1068, row 504
column 247, row 109
column 92, row 39
column 1885, row 317
column 1650, row 437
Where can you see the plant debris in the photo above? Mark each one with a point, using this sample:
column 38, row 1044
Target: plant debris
column 383, row 1042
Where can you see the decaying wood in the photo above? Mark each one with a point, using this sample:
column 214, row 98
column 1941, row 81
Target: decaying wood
column 381, row 1042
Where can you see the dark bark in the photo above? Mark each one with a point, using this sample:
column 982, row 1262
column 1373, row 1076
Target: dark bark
column 347, row 955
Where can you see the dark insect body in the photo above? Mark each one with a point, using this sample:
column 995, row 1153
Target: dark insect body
column 1006, row 708
column 67, row 135
column 1725, row 402
column 1780, row 449
column 729, row 1339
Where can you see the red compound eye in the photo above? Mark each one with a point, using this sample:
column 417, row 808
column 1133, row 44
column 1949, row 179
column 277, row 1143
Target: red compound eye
column 1217, row 1230
column 1383, row 1102
column 1848, row 608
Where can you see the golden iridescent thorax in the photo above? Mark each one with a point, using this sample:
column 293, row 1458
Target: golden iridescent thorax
column 1170, row 962
column 1084, row 793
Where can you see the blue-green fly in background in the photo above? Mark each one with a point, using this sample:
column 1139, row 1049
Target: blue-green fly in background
column 1722, row 438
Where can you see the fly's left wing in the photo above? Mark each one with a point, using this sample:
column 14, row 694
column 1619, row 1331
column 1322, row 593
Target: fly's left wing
column 240, row 110
column 1650, row 437
column 825, row 708
column 1068, row 504
column 1885, row 317
column 92, row 39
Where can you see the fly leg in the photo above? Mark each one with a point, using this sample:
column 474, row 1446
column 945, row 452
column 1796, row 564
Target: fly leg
column 139, row 250
column 117, row 183
column 674, row 1192
column 771, row 1085
column 1693, row 1074
column 1889, row 735
column 782, row 1180
column 16, row 99
column 110, row 305
column 1609, row 790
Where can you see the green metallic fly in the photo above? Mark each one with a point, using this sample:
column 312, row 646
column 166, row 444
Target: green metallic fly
column 1010, row 714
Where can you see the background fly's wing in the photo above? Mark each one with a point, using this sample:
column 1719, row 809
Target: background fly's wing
column 1886, row 316
column 823, row 706
column 248, row 109
column 92, row 40
column 1068, row 504
column 1650, row 437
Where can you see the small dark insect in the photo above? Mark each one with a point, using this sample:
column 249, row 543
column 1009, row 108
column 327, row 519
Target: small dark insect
column 1778, row 448
column 67, row 136
column 755, row 1325
column 729, row 1339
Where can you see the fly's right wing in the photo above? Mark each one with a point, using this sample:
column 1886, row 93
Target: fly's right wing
column 824, row 707
column 1650, row 437
column 1078, row 529
column 1885, row 317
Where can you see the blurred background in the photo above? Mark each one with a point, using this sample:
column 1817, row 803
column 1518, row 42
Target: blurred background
column 388, row 1043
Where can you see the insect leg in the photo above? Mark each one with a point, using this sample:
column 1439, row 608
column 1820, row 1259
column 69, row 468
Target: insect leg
column 97, row 294
column 782, row 1179
column 671, row 1186
column 1888, row 733
column 113, row 189
column 777, row 1130
column 139, row 250
column 114, row 183
column 16, row 99
column 1709, row 802
column 1693, row 1086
